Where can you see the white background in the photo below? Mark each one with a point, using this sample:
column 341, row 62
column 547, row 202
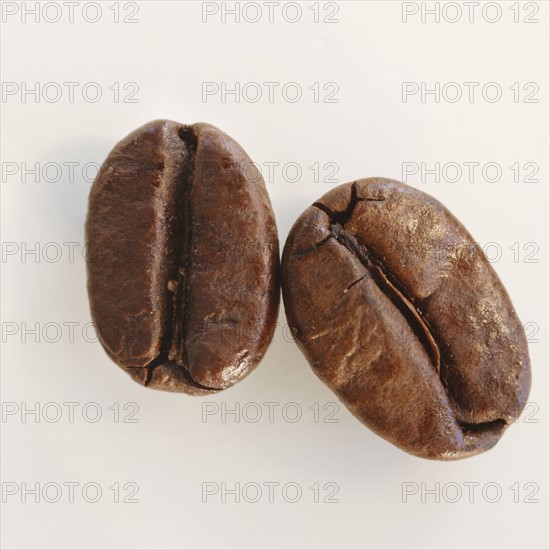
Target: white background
column 370, row 131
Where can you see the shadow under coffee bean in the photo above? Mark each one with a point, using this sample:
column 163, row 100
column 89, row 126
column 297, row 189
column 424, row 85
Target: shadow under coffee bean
column 183, row 258
column 424, row 347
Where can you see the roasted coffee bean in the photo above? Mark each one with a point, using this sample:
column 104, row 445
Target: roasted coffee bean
column 424, row 348
column 183, row 278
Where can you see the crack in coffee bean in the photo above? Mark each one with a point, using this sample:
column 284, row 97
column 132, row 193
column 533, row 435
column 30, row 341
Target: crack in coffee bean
column 173, row 340
column 381, row 275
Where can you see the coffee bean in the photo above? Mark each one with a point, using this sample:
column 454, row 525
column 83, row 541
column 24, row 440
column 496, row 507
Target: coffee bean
column 421, row 347
column 183, row 282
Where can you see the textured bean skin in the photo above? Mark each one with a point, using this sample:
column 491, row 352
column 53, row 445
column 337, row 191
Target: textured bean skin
column 183, row 258
column 400, row 314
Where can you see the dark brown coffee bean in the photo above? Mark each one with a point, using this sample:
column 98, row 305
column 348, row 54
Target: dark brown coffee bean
column 401, row 315
column 183, row 278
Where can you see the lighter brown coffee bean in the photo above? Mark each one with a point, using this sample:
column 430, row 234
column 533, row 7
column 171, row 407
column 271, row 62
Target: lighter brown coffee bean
column 423, row 347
